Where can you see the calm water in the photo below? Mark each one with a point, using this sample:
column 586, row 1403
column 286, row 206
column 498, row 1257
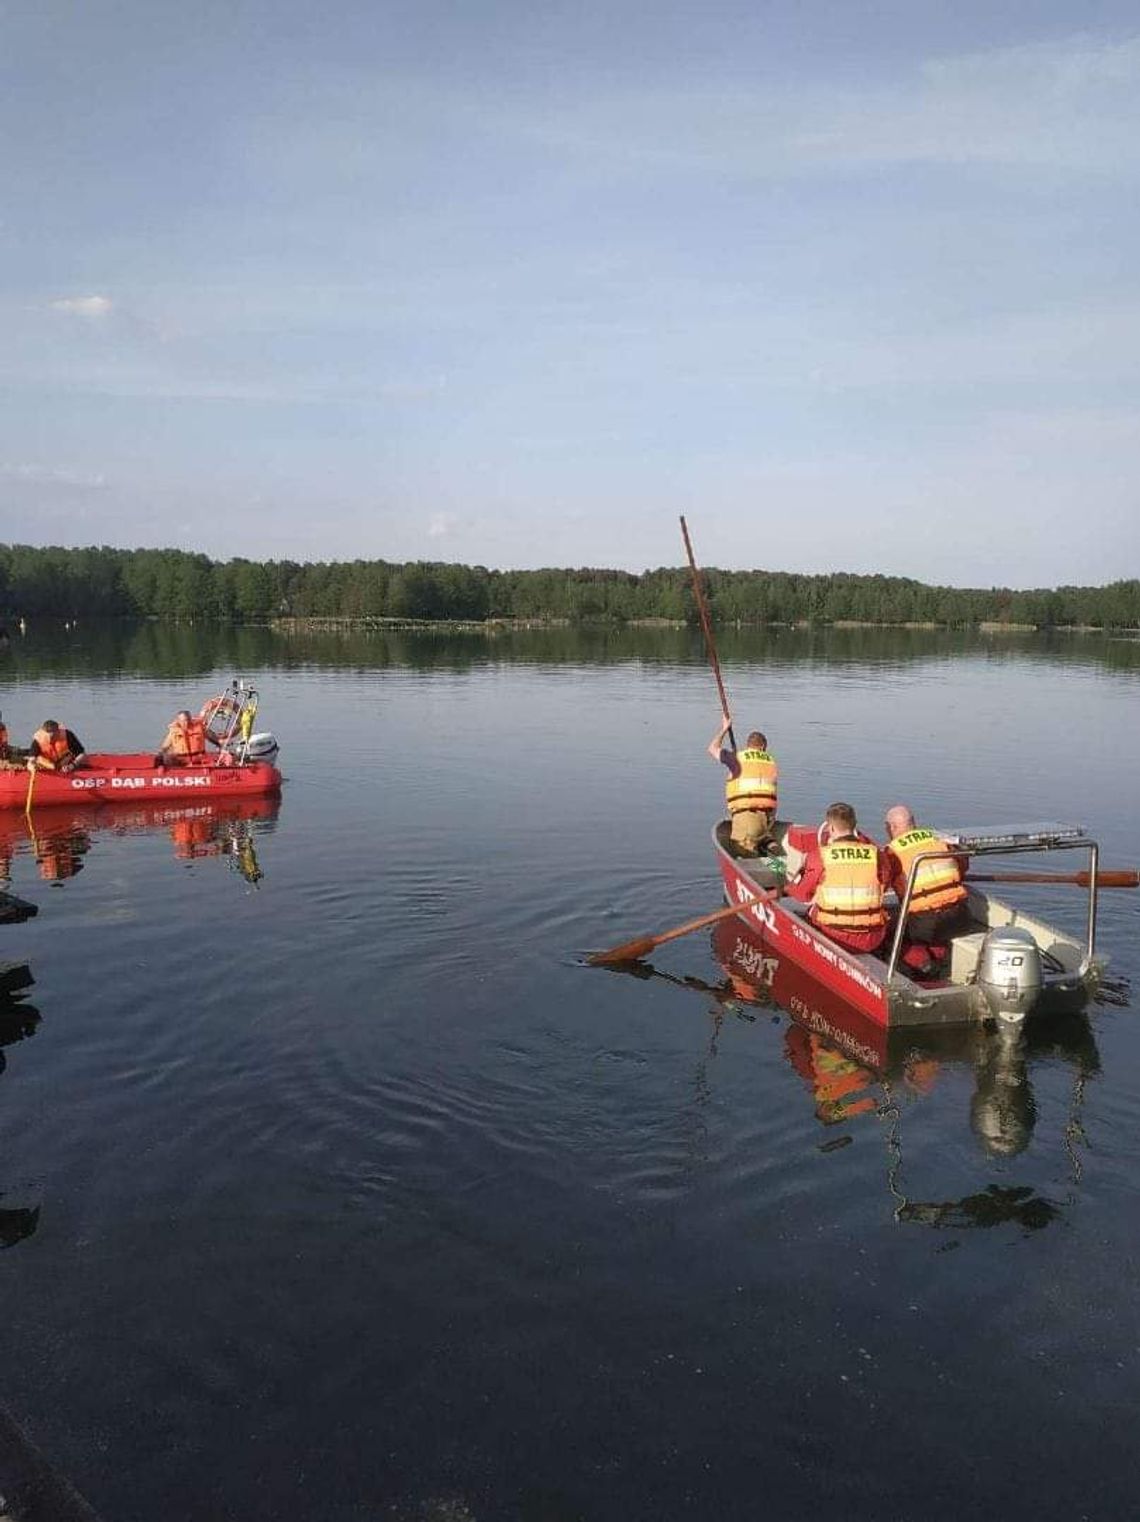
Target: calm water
column 342, row 1190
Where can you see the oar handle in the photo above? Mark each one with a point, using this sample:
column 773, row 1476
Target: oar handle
column 1127, row 878
column 706, row 625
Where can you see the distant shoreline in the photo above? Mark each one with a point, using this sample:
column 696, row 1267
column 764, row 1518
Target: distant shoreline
column 335, row 624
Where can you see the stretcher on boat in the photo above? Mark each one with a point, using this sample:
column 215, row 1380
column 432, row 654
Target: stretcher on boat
column 1008, row 965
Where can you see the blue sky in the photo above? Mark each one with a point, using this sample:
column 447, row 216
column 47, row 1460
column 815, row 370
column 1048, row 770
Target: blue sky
column 852, row 286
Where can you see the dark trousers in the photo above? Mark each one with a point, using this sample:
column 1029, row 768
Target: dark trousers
column 937, row 926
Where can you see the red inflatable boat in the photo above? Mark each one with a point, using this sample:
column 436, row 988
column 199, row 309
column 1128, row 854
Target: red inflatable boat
column 135, row 779
column 241, row 768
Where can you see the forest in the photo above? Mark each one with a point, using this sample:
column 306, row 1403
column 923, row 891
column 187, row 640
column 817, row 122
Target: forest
column 112, row 583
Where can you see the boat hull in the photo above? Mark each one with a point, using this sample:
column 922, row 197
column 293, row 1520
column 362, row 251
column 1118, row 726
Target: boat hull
column 136, row 779
column 778, row 928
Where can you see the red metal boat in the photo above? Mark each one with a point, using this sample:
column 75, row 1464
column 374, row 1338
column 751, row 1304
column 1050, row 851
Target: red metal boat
column 1009, row 964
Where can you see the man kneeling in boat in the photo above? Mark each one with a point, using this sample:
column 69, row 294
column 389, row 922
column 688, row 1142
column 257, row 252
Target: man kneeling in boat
column 55, row 749
column 185, row 742
column 844, row 881
column 750, row 789
column 938, row 908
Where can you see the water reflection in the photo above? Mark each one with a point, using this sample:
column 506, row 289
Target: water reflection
column 176, row 651
column 853, row 1070
column 18, row 1021
column 59, row 839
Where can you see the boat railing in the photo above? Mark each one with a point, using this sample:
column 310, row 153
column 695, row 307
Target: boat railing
column 1082, row 844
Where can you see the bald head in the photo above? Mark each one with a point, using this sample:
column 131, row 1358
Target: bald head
column 898, row 820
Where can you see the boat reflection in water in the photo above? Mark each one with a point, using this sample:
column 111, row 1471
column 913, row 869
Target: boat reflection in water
column 856, row 1070
column 853, row 1066
column 59, row 839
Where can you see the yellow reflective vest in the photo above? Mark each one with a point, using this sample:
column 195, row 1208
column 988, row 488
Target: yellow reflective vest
column 850, row 895
column 937, row 881
column 755, row 787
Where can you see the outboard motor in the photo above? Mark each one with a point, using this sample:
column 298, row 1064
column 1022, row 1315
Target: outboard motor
column 261, row 747
column 1009, row 972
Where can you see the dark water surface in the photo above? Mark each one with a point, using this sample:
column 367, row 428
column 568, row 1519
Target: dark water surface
column 344, row 1192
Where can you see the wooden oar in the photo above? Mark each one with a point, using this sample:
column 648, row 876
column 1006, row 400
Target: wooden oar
column 631, row 951
column 706, row 625
column 1129, row 878
column 31, row 789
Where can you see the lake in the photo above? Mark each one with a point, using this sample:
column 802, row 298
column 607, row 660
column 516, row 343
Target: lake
column 332, row 1183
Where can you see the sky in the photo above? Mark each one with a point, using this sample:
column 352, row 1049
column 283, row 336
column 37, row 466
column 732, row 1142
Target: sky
column 854, row 286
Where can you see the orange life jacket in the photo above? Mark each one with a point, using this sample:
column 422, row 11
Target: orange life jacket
column 850, row 896
column 53, row 748
column 755, row 788
column 937, row 881
column 186, row 739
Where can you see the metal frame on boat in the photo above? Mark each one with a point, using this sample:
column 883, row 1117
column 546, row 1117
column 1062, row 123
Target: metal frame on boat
column 1009, row 965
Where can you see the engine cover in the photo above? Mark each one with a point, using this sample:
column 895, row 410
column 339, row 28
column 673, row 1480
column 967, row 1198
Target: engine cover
column 1009, row 972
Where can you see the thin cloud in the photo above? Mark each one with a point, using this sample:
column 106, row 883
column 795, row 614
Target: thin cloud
column 91, row 307
column 1073, row 104
column 52, row 475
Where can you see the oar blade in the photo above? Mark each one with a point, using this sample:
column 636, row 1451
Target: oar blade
column 631, row 951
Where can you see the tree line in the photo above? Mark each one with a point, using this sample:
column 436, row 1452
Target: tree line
column 105, row 582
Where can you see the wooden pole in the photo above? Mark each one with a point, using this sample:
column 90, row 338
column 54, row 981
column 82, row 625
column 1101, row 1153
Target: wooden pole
column 706, row 625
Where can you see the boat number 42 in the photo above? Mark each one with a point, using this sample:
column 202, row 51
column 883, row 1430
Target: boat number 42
column 761, row 911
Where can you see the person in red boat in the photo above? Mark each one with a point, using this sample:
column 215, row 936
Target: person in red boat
column 750, row 790
column 843, row 880
column 938, row 909
column 185, row 741
column 55, row 749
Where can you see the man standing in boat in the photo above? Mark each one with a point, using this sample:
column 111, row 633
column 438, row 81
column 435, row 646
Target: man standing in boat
column 750, row 789
column 844, row 881
column 55, row 749
column 938, row 909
